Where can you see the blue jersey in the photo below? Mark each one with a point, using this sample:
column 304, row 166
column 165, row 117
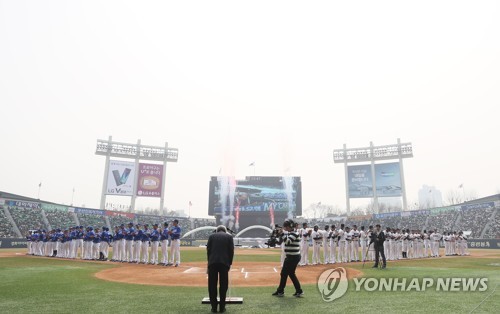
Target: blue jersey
column 155, row 234
column 176, row 233
column 129, row 236
column 105, row 236
column 121, row 234
column 145, row 235
column 97, row 238
column 138, row 235
column 164, row 234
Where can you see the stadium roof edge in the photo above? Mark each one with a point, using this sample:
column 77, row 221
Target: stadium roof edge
column 17, row 197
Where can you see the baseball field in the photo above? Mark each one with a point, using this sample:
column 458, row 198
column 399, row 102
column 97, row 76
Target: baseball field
column 46, row 285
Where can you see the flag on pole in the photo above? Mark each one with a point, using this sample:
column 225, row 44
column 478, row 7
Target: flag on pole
column 190, row 204
column 461, row 186
column 252, row 164
column 40, row 185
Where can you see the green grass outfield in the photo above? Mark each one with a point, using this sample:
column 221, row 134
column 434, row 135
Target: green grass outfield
column 43, row 285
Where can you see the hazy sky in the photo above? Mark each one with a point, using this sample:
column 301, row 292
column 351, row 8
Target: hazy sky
column 281, row 83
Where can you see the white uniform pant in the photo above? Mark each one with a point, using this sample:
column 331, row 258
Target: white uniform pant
column 355, row 250
column 326, row 251
column 105, row 249
column 387, row 250
column 175, row 251
column 48, row 248
column 304, row 253
column 154, row 252
column 316, row 256
column 348, row 251
column 88, row 249
column 123, row 256
column 435, row 248
column 363, row 250
column 145, row 251
column 40, row 248
column 95, row 250
column 342, row 251
column 333, row 251
column 164, row 251
column 78, row 245
column 137, row 251
column 72, row 245
column 426, row 247
column 129, row 249
column 67, row 249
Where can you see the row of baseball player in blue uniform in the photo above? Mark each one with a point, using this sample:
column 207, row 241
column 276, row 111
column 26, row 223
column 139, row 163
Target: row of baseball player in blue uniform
column 130, row 244
column 342, row 245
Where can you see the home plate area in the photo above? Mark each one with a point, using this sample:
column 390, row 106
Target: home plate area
column 243, row 274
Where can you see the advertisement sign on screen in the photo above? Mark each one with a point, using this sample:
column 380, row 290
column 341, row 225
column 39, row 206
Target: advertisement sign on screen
column 121, row 178
column 238, row 204
column 150, row 179
column 360, row 181
column 388, row 179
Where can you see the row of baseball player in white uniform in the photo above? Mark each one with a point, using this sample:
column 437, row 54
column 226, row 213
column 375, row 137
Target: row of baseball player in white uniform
column 343, row 244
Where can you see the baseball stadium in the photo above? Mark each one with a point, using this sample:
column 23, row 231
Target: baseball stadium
column 249, row 156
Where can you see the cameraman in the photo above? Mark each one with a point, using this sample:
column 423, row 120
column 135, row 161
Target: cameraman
column 291, row 239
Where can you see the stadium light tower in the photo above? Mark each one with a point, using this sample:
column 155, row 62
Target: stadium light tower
column 137, row 152
column 372, row 154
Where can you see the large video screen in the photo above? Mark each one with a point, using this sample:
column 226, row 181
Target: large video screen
column 387, row 176
column 254, row 200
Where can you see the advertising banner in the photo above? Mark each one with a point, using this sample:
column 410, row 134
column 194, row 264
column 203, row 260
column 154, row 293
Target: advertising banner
column 360, row 181
column 483, row 243
column 54, row 207
column 439, row 210
column 388, row 179
column 119, row 214
column 86, row 211
column 121, row 178
column 11, row 243
column 23, row 204
column 149, row 181
column 387, row 215
column 479, row 206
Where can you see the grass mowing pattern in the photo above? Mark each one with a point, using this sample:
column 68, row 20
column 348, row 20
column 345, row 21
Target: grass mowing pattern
column 45, row 285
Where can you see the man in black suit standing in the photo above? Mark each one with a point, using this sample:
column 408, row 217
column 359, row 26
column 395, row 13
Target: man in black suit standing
column 377, row 238
column 220, row 252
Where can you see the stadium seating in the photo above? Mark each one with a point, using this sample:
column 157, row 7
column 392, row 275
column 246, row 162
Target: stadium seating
column 91, row 220
column 5, row 226
column 27, row 218
column 474, row 220
column 60, row 219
